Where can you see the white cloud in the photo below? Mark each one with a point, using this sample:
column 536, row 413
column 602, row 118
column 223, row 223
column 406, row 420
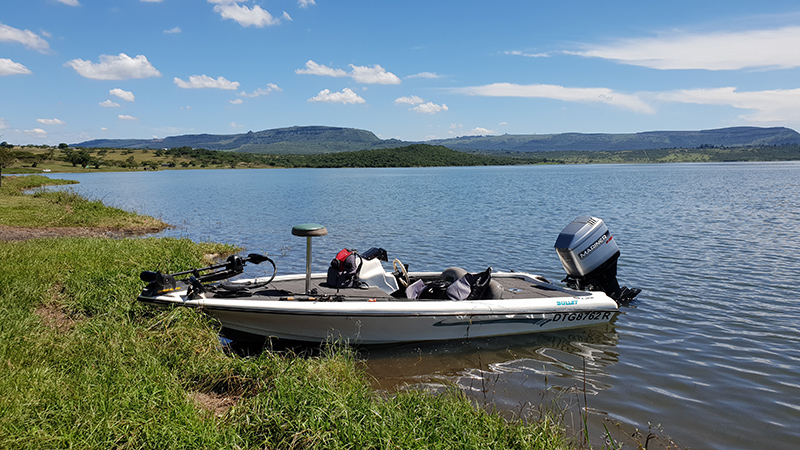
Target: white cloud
column 361, row 74
column 373, row 75
column 125, row 95
column 773, row 106
column 151, row 1
column 70, row 2
column 37, row 132
column 27, row 38
column 9, row 67
column 237, row 101
column 305, row 3
column 236, row 125
column 51, row 121
column 428, row 75
column 412, row 100
column 126, row 117
column 119, row 67
column 262, row 91
column 430, row 108
column 772, row 49
column 286, row 16
column 173, row 30
column 109, row 104
column 479, row 131
column 347, row 96
column 526, row 54
column 580, row 95
column 244, row 15
column 206, row 82
column 313, row 68
column 3, row 125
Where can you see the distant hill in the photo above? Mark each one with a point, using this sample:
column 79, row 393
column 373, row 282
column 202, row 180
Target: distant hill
column 292, row 140
column 722, row 137
column 320, row 139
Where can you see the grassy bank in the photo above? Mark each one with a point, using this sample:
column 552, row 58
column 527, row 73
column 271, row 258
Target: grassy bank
column 82, row 365
column 63, row 209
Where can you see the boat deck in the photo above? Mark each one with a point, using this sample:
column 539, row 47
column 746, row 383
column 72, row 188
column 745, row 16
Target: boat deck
column 513, row 288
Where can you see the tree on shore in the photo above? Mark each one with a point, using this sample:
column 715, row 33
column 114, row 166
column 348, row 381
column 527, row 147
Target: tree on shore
column 6, row 159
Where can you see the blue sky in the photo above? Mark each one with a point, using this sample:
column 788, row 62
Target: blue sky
column 74, row 70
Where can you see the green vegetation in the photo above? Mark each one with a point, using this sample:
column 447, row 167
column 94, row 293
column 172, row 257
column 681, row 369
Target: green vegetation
column 82, row 365
column 63, row 208
column 66, row 159
column 670, row 155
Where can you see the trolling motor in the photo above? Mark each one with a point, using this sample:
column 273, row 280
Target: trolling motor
column 159, row 283
column 589, row 256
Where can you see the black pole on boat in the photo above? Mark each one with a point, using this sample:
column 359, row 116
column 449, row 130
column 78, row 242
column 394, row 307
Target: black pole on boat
column 309, row 230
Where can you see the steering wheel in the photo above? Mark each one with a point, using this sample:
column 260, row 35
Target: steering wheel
column 401, row 273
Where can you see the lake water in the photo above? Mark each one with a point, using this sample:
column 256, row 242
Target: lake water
column 710, row 350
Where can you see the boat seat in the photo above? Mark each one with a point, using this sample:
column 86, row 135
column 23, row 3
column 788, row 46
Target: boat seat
column 309, row 230
column 493, row 292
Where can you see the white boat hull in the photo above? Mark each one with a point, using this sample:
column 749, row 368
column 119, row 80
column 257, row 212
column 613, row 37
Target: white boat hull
column 535, row 306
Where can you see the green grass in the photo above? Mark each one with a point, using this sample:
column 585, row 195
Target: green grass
column 63, row 208
column 82, row 365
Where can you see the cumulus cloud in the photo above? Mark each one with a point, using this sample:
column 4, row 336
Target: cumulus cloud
column 119, row 67
column 173, row 30
column 237, row 101
column 412, row 100
column 206, row 82
column 430, row 108
column 421, row 105
column 373, row 75
column 347, row 96
column 313, row 68
column 126, row 117
column 480, row 131
column 109, row 104
column 51, row 121
column 361, row 74
column 70, row 2
column 271, row 87
column 27, row 38
column 580, row 95
column 9, row 67
column 245, row 16
column 771, row 106
column 772, row 49
column 306, row 3
column 36, row 132
column 125, row 95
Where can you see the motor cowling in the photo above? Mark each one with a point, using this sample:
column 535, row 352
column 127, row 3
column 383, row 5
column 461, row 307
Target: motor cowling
column 589, row 255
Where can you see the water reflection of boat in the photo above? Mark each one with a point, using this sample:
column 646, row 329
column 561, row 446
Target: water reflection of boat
column 360, row 302
column 562, row 357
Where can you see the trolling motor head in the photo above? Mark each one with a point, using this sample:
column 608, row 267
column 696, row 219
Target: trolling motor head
column 589, row 256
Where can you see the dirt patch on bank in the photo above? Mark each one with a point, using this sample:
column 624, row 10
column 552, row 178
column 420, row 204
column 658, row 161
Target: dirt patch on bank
column 8, row 233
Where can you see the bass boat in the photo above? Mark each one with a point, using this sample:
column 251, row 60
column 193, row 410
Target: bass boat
column 361, row 302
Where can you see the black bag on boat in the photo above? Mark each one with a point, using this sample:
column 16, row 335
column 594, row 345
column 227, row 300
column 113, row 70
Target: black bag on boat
column 344, row 269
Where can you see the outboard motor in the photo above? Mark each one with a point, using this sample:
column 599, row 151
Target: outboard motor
column 589, row 256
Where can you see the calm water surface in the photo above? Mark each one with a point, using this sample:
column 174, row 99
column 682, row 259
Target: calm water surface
column 710, row 350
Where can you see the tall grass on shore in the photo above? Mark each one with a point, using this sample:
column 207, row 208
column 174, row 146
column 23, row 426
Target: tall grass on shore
column 82, row 365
